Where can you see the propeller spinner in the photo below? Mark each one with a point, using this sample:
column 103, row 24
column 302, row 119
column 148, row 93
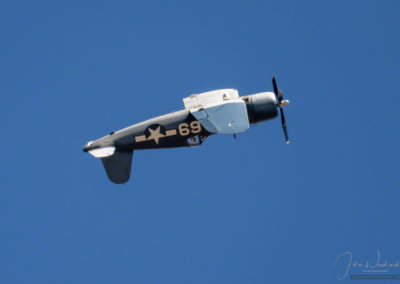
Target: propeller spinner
column 281, row 104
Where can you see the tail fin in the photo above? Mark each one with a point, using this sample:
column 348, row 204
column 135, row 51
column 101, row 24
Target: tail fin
column 118, row 166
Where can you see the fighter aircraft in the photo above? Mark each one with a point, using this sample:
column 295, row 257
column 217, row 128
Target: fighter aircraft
column 205, row 114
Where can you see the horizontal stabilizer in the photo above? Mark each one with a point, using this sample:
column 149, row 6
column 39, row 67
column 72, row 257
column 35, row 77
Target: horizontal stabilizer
column 102, row 152
column 118, row 166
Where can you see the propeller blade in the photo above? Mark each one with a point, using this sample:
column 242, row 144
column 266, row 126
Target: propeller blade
column 276, row 90
column 279, row 98
column 284, row 126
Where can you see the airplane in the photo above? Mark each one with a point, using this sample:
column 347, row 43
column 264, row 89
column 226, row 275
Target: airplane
column 214, row 112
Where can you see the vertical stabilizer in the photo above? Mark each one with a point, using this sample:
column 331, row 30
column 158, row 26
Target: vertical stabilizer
column 118, row 166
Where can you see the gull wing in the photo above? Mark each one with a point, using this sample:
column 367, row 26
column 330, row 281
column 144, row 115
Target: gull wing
column 226, row 118
column 219, row 111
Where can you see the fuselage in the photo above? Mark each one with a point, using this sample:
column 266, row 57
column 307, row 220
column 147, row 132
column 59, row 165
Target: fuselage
column 179, row 129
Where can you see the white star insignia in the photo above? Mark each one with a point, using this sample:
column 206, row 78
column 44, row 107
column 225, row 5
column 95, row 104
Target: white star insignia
column 155, row 134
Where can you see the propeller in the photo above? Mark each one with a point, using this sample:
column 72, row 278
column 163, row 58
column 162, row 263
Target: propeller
column 281, row 104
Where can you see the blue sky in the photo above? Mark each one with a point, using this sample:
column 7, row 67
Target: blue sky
column 250, row 210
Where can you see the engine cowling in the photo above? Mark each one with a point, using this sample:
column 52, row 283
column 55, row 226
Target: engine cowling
column 261, row 106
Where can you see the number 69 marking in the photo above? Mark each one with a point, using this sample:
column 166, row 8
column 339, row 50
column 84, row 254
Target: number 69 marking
column 185, row 129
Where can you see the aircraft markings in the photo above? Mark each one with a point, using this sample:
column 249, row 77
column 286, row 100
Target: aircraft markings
column 155, row 135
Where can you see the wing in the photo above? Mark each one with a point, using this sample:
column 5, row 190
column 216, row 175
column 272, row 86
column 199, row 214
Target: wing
column 220, row 111
column 224, row 118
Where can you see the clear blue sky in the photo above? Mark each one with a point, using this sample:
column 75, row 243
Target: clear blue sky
column 251, row 210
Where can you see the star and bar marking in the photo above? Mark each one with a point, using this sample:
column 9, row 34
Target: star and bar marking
column 155, row 134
